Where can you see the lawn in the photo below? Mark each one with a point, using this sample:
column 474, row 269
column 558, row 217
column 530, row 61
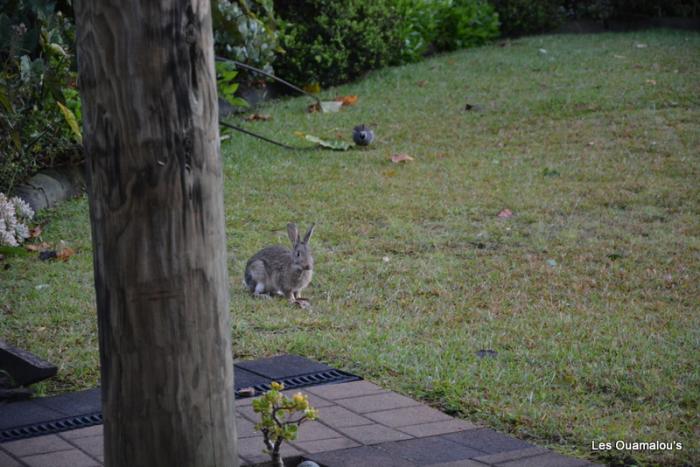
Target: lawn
column 589, row 293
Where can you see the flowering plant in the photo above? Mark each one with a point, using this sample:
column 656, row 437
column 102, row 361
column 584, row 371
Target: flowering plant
column 14, row 215
column 276, row 411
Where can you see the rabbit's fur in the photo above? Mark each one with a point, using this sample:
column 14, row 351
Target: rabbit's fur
column 276, row 270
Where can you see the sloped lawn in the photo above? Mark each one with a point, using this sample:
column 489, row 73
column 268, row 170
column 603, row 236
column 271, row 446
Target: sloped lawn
column 588, row 293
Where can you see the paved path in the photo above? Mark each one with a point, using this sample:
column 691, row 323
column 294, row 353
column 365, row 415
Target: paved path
column 360, row 424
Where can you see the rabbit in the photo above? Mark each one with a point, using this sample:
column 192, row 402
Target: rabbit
column 276, row 270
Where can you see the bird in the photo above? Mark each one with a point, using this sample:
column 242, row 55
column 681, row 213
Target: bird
column 362, row 135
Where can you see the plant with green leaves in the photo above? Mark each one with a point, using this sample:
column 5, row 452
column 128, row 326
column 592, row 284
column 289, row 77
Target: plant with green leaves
column 226, row 84
column 277, row 423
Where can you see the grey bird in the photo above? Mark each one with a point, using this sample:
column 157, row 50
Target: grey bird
column 362, row 135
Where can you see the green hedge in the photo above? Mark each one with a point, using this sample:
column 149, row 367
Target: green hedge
column 334, row 41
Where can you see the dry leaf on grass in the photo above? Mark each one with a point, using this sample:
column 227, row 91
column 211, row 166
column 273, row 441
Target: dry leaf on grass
column 65, row 253
column 347, row 100
column 37, row 246
column 258, row 117
column 398, row 158
column 505, row 213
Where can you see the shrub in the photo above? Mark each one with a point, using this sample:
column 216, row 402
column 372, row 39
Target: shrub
column 465, row 23
column 528, row 16
column 334, row 41
column 244, row 30
column 38, row 125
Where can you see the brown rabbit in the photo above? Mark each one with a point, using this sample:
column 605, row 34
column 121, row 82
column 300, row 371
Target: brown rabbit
column 276, row 270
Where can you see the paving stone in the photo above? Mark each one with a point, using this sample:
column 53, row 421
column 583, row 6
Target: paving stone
column 252, row 449
column 460, row 463
column 247, row 412
column 7, row 461
column 373, row 434
column 92, row 445
column 365, row 456
column 511, row 455
column 377, row 402
column 408, row 416
column 437, row 428
column 38, row 445
column 74, row 403
column 338, row 417
column 425, row 451
column 244, row 401
column 314, row 400
column 83, row 432
column 343, row 390
column 72, row 458
column 245, row 428
column 312, row 431
column 550, row 459
column 487, row 440
column 321, row 445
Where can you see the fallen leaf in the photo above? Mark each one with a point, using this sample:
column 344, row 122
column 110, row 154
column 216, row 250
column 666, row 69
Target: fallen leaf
column 390, row 173
column 258, row 117
column 542, row 51
column 473, row 107
column 35, row 232
column 300, row 134
column 651, row 81
column 386, row 259
column 313, row 88
column 331, row 106
column 347, row 100
column 246, row 392
column 422, row 83
column 64, row 252
column 37, row 246
column 398, row 158
column 552, row 263
column 640, row 45
column 505, row 213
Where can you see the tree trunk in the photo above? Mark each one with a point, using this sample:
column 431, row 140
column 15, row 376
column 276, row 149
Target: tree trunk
column 150, row 115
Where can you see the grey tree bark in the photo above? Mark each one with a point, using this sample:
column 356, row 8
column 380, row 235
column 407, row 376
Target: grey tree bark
column 150, row 116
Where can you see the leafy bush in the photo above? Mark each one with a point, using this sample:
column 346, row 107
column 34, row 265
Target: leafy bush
column 630, row 9
column 334, row 41
column 38, row 125
column 244, row 30
column 418, row 29
column 465, row 23
column 528, row 16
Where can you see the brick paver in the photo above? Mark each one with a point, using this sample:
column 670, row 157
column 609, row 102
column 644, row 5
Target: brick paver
column 359, row 424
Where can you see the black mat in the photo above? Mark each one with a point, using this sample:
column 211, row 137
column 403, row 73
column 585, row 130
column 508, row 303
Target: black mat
column 36, row 417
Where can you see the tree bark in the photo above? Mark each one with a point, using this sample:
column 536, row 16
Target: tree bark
column 150, row 116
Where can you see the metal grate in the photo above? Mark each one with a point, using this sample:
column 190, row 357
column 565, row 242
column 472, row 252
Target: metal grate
column 55, row 426
column 313, row 379
column 82, row 421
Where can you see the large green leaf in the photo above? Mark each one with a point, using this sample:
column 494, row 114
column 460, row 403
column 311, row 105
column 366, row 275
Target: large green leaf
column 72, row 122
column 336, row 145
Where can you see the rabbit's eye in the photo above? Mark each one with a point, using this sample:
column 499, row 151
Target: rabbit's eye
column 298, row 254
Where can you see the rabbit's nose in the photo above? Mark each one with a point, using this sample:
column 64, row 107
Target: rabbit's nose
column 307, row 268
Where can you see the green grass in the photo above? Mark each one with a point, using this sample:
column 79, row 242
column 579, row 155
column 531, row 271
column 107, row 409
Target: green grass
column 589, row 293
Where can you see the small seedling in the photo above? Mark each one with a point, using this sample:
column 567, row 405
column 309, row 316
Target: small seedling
column 277, row 422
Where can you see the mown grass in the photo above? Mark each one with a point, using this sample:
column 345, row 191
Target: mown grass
column 588, row 294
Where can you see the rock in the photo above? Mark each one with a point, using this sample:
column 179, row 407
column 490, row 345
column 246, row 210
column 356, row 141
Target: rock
column 50, row 187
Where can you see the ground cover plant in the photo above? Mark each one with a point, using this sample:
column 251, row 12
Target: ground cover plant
column 535, row 267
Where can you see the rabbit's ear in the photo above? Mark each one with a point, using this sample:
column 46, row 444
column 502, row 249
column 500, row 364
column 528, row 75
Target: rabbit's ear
column 309, row 233
column 293, row 233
